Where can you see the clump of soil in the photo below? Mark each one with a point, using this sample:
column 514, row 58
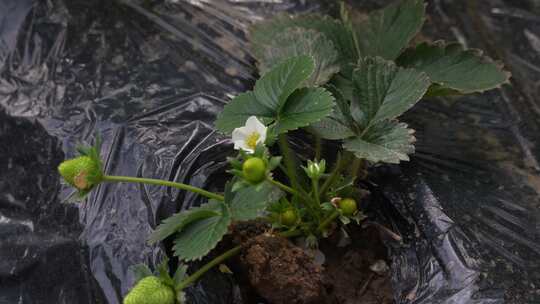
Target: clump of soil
column 282, row 272
column 241, row 232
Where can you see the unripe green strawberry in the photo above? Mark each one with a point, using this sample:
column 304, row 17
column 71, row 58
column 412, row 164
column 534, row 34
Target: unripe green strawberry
column 254, row 170
column 82, row 172
column 288, row 217
column 150, row 290
column 348, row 206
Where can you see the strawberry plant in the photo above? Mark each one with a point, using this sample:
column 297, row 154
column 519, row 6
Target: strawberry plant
column 338, row 79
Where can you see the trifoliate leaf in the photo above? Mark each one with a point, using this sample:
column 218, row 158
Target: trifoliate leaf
column 177, row 222
column 453, row 68
column 387, row 32
column 248, row 203
column 198, row 238
column 300, row 41
column 383, row 91
column 389, row 142
column 304, row 107
column 269, row 96
column 264, row 33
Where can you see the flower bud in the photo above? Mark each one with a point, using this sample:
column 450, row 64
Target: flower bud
column 82, row 172
column 314, row 169
column 254, row 170
column 150, row 290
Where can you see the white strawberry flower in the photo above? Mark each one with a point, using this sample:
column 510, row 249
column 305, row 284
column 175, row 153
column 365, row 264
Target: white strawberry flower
column 250, row 135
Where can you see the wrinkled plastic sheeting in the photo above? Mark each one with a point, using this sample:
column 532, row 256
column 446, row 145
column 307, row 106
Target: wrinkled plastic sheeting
column 151, row 76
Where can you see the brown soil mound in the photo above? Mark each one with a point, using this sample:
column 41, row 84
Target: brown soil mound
column 281, row 272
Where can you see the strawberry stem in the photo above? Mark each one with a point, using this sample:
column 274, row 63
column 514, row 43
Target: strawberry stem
column 160, row 182
column 216, row 261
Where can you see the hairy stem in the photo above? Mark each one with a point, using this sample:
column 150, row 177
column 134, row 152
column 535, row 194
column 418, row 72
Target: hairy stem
column 288, row 158
column 316, row 196
column 328, row 220
column 284, row 187
column 290, row 191
column 333, row 175
column 308, row 201
column 318, row 147
column 357, row 162
column 160, row 182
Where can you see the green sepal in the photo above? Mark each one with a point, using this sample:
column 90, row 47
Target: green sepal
column 180, row 275
column 140, row 271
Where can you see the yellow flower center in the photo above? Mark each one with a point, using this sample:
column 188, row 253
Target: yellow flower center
column 251, row 140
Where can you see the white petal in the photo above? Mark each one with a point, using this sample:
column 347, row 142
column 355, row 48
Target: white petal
column 258, row 126
column 239, row 138
column 239, row 134
column 252, row 124
column 262, row 138
column 261, row 128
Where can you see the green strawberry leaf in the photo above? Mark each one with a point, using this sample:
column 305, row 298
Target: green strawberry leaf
column 305, row 106
column 239, row 109
column 383, row 91
column 454, row 69
column 198, row 238
column 264, row 33
column 274, row 87
column 332, row 127
column 248, row 203
column 276, row 98
column 269, row 96
column 340, row 123
column 300, row 41
column 387, row 32
column 388, row 141
column 177, row 222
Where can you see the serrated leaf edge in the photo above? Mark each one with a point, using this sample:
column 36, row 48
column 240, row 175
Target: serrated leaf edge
column 478, row 53
column 204, row 253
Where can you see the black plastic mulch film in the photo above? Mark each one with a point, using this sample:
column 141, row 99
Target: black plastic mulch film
column 150, row 76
